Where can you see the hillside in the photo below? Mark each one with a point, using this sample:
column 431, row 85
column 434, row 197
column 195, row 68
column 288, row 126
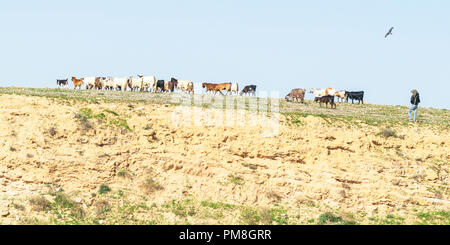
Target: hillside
column 89, row 157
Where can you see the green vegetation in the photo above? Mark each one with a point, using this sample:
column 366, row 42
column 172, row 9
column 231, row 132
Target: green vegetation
column 40, row 204
column 104, row 189
column 64, row 210
column 350, row 114
column 330, row 218
column 83, row 120
column 120, row 123
column 120, row 211
column 124, row 207
column 218, row 205
column 112, row 112
column 279, row 215
column 250, row 216
column 182, row 208
column 264, row 216
column 363, row 115
column 235, row 180
column 434, row 218
column 102, row 207
column 125, row 173
column 390, row 219
column 85, row 114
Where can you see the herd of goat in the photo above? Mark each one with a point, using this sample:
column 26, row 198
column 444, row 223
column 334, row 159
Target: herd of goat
column 151, row 84
column 326, row 96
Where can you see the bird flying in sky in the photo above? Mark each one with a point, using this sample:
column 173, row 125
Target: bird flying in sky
column 389, row 33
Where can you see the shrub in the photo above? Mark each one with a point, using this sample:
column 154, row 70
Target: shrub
column 266, row 216
column 250, row 216
column 104, row 189
column 40, row 204
column 151, row 186
column 63, row 201
column 89, row 114
column 328, row 217
column 18, row 206
column 387, row 132
column 121, row 123
column 217, row 205
column 85, row 124
column 102, row 207
column 125, row 173
column 236, row 180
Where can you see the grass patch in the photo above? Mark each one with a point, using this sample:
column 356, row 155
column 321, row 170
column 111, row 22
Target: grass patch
column 66, row 210
column 217, row 205
column 121, row 123
column 264, row 216
column 279, row 215
column 434, row 218
column 63, row 201
column 86, row 112
column 250, row 216
column 390, row 219
column 84, row 115
column 112, row 112
column 330, row 218
column 181, row 208
column 102, row 207
column 125, row 173
column 368, row 114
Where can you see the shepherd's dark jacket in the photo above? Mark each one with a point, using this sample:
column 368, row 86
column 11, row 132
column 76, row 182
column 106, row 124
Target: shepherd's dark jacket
column 415, row 99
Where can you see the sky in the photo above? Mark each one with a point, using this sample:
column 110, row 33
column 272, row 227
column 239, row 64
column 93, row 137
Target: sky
column 276, row 45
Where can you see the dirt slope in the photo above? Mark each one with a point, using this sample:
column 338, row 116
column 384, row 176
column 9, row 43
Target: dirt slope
column 310, row 168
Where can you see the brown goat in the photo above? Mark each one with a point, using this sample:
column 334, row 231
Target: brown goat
column 77, row 82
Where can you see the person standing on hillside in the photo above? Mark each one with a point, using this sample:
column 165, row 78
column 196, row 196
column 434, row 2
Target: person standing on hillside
column 415, row 100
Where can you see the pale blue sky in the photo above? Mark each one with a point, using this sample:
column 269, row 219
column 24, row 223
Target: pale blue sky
column 277, row 45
